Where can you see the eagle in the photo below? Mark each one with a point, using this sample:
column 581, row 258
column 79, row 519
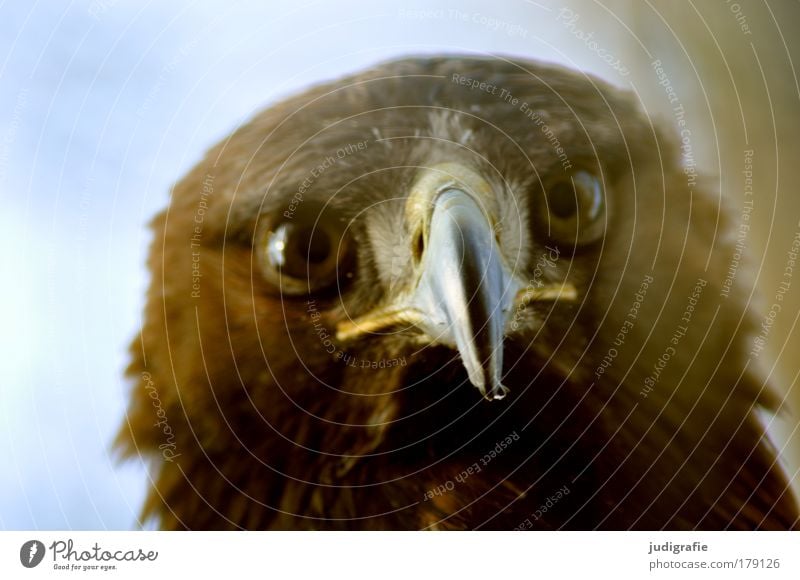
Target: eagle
column 452, row 293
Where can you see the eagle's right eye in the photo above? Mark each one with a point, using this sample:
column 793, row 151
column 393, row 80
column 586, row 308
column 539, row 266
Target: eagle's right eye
column 574, row 209
column 301, row 258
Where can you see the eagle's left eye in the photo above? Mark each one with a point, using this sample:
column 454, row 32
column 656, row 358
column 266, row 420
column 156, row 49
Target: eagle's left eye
column 575, row 209
column 300, row 258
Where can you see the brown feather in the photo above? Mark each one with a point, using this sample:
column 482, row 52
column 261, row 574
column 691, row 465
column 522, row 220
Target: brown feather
column 269, row 431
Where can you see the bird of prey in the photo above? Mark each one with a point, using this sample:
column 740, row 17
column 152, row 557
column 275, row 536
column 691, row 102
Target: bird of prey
column 452, row 292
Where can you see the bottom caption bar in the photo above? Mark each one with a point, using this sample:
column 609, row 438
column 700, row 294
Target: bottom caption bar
column 44, row 554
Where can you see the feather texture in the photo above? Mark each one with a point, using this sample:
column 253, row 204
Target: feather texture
column 635, row 408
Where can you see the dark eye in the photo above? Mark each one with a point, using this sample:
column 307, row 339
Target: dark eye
column 301, row 258
column 575, row 209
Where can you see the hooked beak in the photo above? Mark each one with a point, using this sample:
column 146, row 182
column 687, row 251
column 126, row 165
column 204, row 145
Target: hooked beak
column 464, row 289
column 463, row 294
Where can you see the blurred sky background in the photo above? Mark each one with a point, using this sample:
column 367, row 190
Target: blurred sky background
column 104, row 104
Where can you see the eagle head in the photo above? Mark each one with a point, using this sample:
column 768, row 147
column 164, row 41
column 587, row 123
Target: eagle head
column 450, row 293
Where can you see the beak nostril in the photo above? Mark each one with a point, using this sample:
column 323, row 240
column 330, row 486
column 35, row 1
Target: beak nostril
column 418, row 247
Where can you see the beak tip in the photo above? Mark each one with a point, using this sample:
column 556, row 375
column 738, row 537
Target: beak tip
column 498, row 392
